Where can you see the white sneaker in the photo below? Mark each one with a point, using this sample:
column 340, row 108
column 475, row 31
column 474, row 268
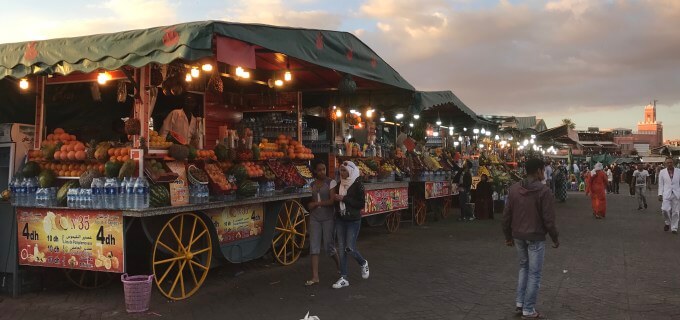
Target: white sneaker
column 364, row 270
column 341, row 283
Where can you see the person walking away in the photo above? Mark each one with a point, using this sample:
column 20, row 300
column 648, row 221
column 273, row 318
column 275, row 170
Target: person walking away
column 598, row 191
column 617, row 178
column 641, row 178
column 630, row 179
column 484, row 199
column 322, row 220
column 561, row 184
column 549, row 176
column 529, row 214
column 669, row 195
column 610, row 180
column 351, row 201
column 464, row 180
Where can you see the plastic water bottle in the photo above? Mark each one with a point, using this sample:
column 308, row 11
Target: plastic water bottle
column 111, row 193
column 31, row 190
column 95, row 192
column 122, row 189
column 13, row 190
column 142, row 193
column 72, row 198
column 130, row 196
column 205, row 193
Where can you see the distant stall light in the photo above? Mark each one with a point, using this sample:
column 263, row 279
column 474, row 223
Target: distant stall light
column 103, row 77
column 194, row 72
column 23, row 84
column 399, row 115
column 410, row 124
column 188, row 77
column 278, row 83
column 207, row 67
column 338, row 113
column 416, row 116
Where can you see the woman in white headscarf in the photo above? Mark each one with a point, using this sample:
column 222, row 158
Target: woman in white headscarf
column 598, row 191
column 351, row 201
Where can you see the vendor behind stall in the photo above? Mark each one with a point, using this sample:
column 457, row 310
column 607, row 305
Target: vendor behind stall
column 182, row 121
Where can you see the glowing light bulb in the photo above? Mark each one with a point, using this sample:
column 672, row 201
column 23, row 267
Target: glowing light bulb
column 410, row 124
column 439, row 123
column 188, row 77
column 278, row 83
column 382, row 118
column 239, row 71
column 23, row 84
column 460, row 139
column 194, row 72
column 416, row 116
column 245, row 75
column 436, row 134
column 338, row 113
column 287, row 76
column 103, row 77
column 207, row 67
column 399, row 115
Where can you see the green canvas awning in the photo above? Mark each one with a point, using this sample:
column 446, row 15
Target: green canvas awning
column 445, row 106
column 192, row 41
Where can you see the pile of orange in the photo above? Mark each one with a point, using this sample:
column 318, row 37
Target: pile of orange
column 59, row 135
column 119, row 154
column 206, row 154
column 71, row 150
column 254, row 170
column 297, row 151
column 71, row 169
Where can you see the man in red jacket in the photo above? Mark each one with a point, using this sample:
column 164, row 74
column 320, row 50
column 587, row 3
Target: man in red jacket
column 530, row 214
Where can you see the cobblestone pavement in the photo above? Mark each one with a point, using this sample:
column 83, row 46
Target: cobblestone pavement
column 623, row 267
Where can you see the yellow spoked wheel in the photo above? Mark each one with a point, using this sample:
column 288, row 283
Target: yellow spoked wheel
column 86, row 279
column 446, row 207
column 392, row 221
column 419, row 211
column 181, row 256
column 291, row 231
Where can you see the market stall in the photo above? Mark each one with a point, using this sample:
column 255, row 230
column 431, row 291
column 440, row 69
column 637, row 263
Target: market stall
column 230, row 190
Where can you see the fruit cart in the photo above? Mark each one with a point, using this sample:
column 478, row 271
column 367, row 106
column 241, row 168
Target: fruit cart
column 181, row 244
column 426, row 195
column 385, row 203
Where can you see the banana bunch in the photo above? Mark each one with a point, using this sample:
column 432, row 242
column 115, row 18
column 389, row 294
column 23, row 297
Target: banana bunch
column 483, row 170
column 365, row 170
column 431, row 162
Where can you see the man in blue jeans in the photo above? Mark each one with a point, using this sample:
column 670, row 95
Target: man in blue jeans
column 529, row 214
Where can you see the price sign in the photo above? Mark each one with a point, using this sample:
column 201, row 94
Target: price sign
column 71, row 239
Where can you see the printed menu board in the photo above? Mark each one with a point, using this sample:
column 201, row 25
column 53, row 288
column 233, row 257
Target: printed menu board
column 179, row 189
column 238, row 223
column 71, row 239
column 384, row 200
column 437, row 189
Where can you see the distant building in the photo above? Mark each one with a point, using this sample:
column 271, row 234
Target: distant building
column 527, row 125
column 649, row 134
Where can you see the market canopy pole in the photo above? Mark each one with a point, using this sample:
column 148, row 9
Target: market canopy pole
column 39, row 112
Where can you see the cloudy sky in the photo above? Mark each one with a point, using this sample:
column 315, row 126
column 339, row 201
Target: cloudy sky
column 598, row 62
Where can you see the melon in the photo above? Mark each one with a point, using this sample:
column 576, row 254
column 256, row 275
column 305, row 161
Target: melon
column 176, row 138
column 159, row 195
column 31, row 169
column 63, row 191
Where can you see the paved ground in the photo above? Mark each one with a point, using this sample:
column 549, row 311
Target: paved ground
column 624, row 267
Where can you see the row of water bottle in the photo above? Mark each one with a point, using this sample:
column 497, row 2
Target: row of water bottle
column 199, row 193
column 111, row 193
column 23, row 191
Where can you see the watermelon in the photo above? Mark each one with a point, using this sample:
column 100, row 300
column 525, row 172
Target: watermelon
column 46, row 178
column 31, row 169
column 159, row 196
column 63, row 191
column 239, row 172
column 111, row 169
column 193, row 153
column 127, row 169
column 221, row 152
column 247, row 188
column 176, row 138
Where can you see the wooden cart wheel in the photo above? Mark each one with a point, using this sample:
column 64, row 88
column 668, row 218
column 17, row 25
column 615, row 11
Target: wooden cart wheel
column 86, row 279
column 446, row 207
column 181, row 256
column 392, row 221
column 419, row 211
column 291, row 231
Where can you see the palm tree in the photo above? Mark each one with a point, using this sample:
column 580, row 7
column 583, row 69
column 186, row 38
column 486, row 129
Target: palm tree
column 568, row 123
